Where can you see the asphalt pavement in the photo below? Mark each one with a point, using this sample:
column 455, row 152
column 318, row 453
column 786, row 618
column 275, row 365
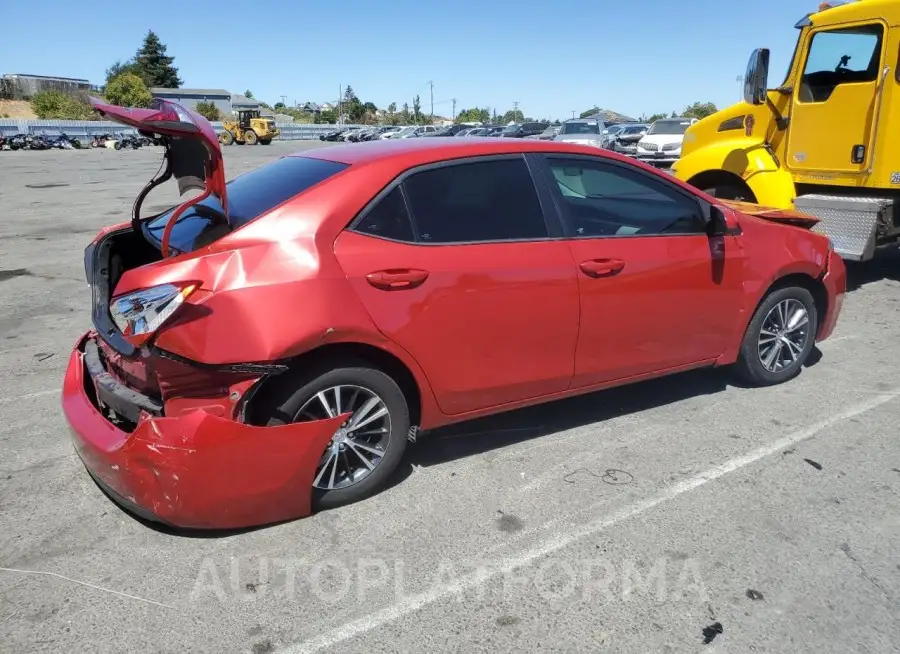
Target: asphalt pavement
column 682, row 514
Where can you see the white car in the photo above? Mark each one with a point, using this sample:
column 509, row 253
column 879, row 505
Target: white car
column 389, row 133
column 413, row 131
column 662, row 143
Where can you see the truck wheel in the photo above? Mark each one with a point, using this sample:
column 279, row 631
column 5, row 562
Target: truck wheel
column 361, row 456
column 730, row 192
column 250, row 137
column 265, row 141
column 226, row 138
column 779, row 338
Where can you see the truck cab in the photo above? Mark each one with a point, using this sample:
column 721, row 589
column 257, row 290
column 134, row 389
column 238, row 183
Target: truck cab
column 823, row 141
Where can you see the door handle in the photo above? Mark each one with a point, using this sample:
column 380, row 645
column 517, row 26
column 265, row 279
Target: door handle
column 602, row 267
column 397, row 279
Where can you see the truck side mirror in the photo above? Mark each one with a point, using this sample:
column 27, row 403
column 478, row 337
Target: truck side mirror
column 756, row 79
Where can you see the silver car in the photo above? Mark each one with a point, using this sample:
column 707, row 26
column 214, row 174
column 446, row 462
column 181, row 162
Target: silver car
column 582, row 131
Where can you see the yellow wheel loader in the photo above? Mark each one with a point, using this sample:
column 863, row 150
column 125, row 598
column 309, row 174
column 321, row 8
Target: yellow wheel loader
column 249, row 128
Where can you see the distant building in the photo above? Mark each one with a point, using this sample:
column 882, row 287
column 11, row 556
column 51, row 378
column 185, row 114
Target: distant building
column 17, row 86
column 310, row 107
column 610, row 117
column 239, row 101
column 190, row 97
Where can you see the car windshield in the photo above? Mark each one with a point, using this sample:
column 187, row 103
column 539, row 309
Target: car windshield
column 669, row 127
column 512, row 128
column 580, row 128
column 634, row 129
column 249, row 196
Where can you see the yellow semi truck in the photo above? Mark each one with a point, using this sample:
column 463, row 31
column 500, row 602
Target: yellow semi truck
column 826, row 141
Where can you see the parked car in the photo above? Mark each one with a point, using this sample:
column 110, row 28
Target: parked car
column 450, row 130
column 388, row 131
column 626, row 138
column 207, row 396
column 478, row 131
column 520, row 131
column 351, row 134
column 494, row 130
column 662, row 142
column 333, row 135
column 549, row 133
column 582, row 131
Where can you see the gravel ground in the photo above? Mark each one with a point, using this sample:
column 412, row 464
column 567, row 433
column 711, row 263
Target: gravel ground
column 649, row 518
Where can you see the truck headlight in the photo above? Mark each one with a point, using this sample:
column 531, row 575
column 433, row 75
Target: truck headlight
column 139, row 314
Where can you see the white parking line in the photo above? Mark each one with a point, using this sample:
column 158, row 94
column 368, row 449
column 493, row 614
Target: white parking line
column 28, row 396
column 562, row 540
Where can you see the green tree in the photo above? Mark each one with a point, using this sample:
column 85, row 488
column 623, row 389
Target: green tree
column 473, row 115
column 589, row 112
column 654, row 118
column 208, row 110
column 392, row 108
column 58, row 105
column 279, row 106
column 248, row 94
column 156, row 65
column 417, row 109
column 404, row 114
column 513, row 117
column 699, row 110
column 326, row 117
column 128, row 90
column 120, row 68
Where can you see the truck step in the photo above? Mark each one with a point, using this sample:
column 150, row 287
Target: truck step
column 852, row 223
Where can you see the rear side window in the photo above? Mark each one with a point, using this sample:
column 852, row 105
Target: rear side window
column 475, row 202
column 388, row 218
column 249, row 195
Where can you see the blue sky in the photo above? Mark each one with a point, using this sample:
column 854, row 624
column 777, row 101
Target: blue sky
column 552, row 59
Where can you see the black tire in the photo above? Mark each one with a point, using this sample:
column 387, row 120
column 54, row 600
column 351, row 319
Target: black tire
column 265, row 141
column 226, row 138
column 250, row 137
column 749, row 367
column 117, row 145
column 284, row 403
column 730, row 192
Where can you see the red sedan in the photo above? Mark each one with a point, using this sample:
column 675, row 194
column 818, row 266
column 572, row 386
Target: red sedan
column 267, row 347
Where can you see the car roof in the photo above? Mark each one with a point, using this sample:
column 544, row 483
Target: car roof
column 416, row 152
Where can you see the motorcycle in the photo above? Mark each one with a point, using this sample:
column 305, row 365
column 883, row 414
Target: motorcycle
column 99, row 140
column 18, row 142
column 128, row 141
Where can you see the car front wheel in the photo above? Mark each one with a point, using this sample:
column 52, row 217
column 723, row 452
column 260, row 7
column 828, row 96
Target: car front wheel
column 365, row 451
column 779, row 338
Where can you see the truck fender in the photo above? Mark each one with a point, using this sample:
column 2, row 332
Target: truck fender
column 743, row 163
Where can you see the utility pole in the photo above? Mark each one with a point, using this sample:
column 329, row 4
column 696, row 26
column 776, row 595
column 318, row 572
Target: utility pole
column 454, row 110
column 740, row 81
column 573, row 114
column 431, row 90
column 340, row 100
column 283, row 98
column 515, row 111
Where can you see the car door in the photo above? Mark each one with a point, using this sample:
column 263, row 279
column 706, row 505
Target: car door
column 456, row 263
column 836, row 101
column 657, row 293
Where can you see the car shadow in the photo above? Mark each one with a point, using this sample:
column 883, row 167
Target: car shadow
column 884, row 265
column 485, row 434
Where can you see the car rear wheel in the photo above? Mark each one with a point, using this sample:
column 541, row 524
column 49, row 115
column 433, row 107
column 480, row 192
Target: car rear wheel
column 779, row 338
column 250, row 137
column 366, row 450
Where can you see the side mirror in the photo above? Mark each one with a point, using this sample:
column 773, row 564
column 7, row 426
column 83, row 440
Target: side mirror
column 717, row 225
column 756, row 79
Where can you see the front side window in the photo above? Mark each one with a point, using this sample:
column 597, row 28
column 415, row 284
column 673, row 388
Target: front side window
column 388, row 218
column 840, row 57
column 475, row 202
column 602, row 199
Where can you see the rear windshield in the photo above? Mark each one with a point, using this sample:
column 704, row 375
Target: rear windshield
column 249, row 195
column 580, row 128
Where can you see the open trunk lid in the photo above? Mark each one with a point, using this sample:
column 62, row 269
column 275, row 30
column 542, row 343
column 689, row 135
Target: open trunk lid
column 193, row 151
column 785, row 216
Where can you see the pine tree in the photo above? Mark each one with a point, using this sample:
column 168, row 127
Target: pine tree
column 156, row 67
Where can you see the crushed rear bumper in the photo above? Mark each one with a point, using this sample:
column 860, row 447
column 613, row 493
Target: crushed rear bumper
column 196, row 470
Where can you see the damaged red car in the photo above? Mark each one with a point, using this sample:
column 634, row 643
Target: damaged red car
column 269, row 346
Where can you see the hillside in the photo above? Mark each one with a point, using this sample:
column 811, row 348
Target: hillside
column 16, row 109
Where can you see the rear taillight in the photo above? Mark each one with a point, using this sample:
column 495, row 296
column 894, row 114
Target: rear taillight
column 139, row 314
column 171, row 115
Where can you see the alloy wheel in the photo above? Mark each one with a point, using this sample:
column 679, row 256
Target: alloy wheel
column 356, row 449
column 784, row 335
